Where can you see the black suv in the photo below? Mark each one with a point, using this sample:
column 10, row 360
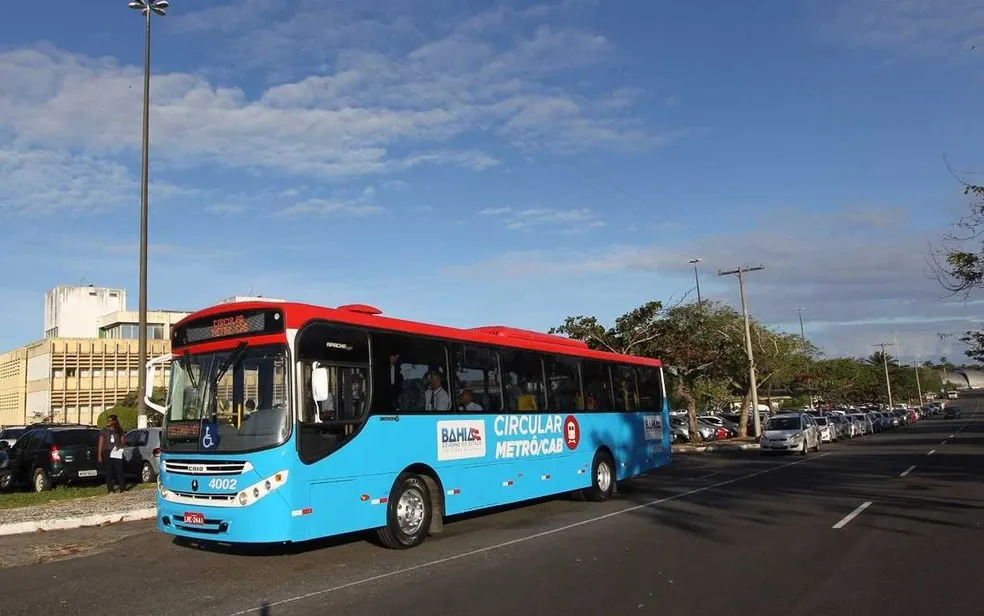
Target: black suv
column 48, row 456
column 951, row 412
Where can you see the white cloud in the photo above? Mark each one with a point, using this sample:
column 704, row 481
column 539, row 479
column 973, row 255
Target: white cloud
column 39, row 182
column 325, row 207
column 576, row 220
column 923, row 26
column 871, row 282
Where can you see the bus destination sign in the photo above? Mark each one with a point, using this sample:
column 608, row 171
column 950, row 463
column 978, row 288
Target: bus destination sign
column 244, row 323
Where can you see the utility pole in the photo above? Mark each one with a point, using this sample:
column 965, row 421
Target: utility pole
column 740, row 272
column 694, row 262
column 888, row 382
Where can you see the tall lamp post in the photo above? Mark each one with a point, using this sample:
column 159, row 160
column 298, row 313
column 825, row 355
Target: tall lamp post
column 803, row 340
column 147, row 8
column 740, row 272
column 694, row 262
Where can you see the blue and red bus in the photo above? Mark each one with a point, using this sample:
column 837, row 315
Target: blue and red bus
column 286, row 422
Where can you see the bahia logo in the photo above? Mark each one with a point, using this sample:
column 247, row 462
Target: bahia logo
column 456, row 435
column 460, row 439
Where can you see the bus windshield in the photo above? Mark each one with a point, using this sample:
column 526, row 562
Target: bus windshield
column 239, row 394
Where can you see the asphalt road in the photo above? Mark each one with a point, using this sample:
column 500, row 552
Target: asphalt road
column 714, row 534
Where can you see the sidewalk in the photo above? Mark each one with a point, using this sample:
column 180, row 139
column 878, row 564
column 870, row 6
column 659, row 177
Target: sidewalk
column 91, row 511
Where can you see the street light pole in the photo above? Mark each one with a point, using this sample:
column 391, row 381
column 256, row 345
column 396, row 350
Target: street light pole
column 888, row 382
column 802, row 329
column 694, row 262
column 147, row 7
column 915, row 365
column 740, row 272
column 803, row 340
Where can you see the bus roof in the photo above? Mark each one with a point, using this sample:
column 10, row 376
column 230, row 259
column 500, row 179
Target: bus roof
column 296, row 314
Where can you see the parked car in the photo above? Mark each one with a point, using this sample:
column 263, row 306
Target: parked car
column 10, row 434
column 828, row 429
column 141, row 453
column 4, row 469
column 793, row 432
column 53, row 455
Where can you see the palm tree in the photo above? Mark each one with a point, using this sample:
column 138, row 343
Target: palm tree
column 877, row 359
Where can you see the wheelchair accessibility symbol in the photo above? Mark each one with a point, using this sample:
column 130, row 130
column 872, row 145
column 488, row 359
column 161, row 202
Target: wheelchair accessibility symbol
column 209, row 436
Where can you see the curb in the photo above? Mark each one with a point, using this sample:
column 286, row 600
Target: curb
column 717, row 448
column 97, row 519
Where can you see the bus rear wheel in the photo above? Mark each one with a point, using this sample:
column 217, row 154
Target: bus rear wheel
column 408, row 515
column 602, row 478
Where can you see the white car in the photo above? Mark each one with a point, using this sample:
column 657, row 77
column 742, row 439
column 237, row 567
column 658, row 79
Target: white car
column 791, row 432
column 828, row 429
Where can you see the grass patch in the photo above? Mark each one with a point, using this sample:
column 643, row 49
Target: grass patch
column 10, row 500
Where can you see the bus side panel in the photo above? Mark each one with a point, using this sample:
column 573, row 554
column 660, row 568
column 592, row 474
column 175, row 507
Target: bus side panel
column 479, row 461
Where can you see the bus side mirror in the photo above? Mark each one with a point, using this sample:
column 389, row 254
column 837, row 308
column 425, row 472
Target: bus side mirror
column 319, row 384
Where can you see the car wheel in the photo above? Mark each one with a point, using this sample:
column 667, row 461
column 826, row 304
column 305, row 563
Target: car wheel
column 147, row 473
column 42, row 483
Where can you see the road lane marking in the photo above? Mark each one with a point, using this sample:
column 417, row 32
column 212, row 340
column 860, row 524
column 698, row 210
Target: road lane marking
column 908, row 470
column 846, row 519
column 931, row 452
column 943, row 442
column 952, row 435
column 505, row 544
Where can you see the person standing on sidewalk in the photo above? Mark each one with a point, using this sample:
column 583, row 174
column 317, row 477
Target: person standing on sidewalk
column 110, row 454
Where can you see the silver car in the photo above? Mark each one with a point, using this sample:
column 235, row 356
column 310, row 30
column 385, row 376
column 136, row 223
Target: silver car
column 790, row 432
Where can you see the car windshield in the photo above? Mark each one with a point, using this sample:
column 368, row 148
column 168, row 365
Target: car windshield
column 783, row 423
column 226, row 401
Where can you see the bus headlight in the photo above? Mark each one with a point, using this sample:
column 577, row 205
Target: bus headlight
column 261, row 488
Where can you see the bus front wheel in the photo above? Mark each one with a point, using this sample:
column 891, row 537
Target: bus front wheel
column 602, row 478
column 408, row 515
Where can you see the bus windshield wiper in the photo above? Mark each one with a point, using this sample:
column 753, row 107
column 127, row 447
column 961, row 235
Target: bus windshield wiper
column 231, row 360
column 185, row 359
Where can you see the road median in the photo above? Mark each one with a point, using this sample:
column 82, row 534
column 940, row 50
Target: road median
column 133, row 505
column 716, row 446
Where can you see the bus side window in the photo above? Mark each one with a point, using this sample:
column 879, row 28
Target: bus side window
column 407, row 370
column 650, row 388
column 597, row 386
column 523, row 386
column 476, row 379
column 563, row 384
column 624, row 386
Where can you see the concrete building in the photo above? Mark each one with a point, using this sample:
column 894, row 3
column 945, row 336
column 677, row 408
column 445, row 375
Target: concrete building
column 72, row 312
column 75, row 379
column 87, row 361
column 125, row 324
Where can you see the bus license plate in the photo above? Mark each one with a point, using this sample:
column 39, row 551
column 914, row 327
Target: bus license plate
column 190, row 517
column 87, row 473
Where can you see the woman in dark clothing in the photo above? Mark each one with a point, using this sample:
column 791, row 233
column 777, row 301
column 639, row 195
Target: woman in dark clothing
column 110, row 440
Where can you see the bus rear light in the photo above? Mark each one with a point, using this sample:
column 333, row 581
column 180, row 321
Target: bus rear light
column 454, row 491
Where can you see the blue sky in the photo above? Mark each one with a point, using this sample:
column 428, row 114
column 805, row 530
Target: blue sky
column 474, row 162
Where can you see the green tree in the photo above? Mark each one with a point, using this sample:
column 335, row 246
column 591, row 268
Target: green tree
column 126, row 410
column 701, row 345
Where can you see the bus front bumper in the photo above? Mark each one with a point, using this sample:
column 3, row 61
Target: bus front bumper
column 267, row 520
